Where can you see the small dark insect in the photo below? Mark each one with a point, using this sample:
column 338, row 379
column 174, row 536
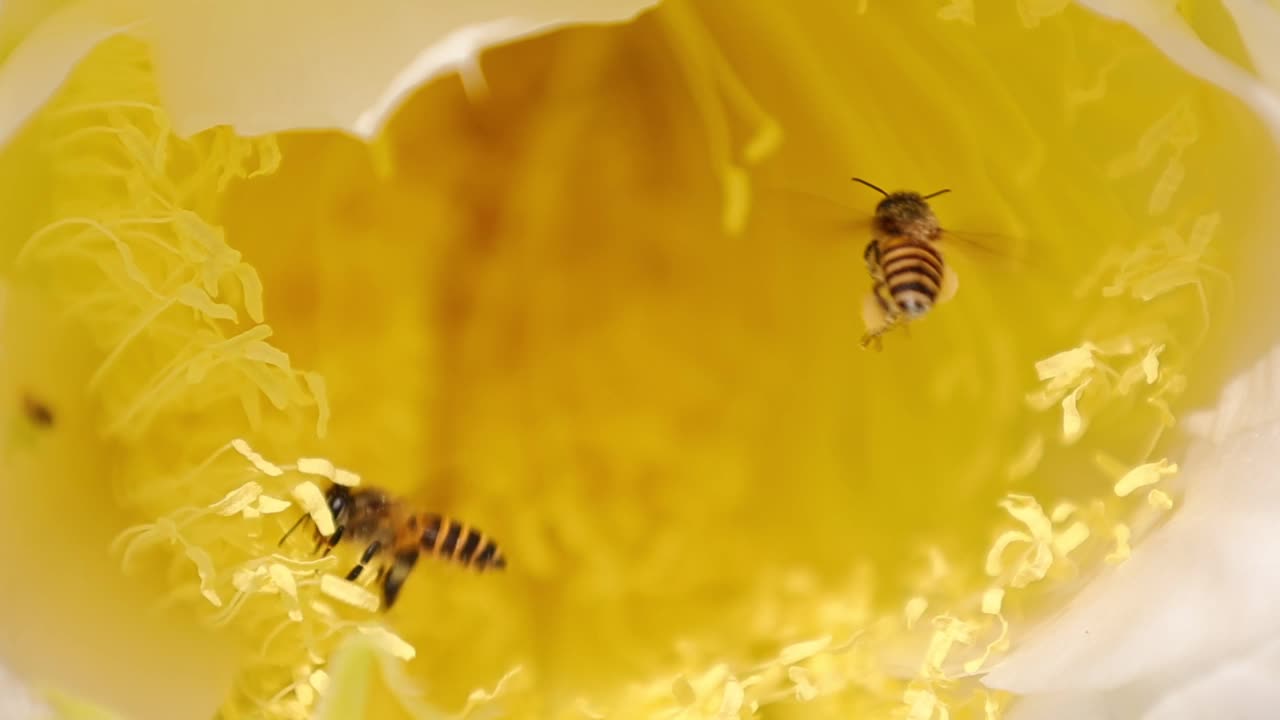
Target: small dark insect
column 393, row 535
column 38, row 412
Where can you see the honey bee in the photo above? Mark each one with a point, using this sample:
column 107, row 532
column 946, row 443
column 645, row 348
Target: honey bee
column 908, row 273
column 393, row 535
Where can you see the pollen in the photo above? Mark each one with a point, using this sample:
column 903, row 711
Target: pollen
column 1145, row 475
column 348, row 592
column 389, row 642
column 1086, row 379
column 1122, row 535
column 1159, row 499
column 258, row 461
column 326, row 469
column 311, row 500
column 992, row 602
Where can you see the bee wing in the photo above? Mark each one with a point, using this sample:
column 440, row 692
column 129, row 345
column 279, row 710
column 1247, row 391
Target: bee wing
column 993, row 247
column 812, row 215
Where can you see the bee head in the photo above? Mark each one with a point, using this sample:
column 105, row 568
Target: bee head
column 906, row 213
column 338, row 498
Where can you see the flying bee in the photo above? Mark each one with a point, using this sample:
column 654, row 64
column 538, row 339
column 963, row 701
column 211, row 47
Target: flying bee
column 904, row 256
column 393, row 535
column 908, row 273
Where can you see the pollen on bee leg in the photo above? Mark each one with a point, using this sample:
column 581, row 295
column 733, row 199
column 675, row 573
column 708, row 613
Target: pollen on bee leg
column 872, row 314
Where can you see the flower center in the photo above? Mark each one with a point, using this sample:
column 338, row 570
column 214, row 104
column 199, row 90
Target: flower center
column 549, row 314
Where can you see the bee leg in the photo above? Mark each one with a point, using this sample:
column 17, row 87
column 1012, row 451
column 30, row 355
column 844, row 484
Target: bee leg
column 871, row 254
column 401, row 566
column 330, row 541
column 878, row 315
column 871, row 340
column 369, row 552
column 292, row 528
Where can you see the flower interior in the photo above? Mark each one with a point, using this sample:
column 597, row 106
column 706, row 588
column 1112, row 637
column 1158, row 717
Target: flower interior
column 610, row 313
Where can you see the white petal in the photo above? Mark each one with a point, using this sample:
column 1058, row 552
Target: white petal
column 70, row 620
column 1063, row 706
column 16, row 701
column 331, row 64
column 40, row 63
column 1160, row 23
column 1200, row 590
column 1259, row 26
column 288, row 64
column 1244, row 688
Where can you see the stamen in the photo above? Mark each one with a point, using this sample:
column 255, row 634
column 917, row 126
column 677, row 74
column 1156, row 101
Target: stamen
column 713, row 84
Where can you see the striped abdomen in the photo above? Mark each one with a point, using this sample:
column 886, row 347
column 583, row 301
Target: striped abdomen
column 453, row 540
column 912, row 274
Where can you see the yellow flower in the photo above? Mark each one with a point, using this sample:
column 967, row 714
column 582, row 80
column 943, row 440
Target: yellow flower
column 584, row 296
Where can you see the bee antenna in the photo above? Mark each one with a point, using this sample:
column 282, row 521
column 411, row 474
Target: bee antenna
column 295, row 527
column 873, row 187
column 943, row 191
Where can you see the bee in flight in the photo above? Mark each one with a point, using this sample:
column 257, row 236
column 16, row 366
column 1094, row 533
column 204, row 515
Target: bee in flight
column 908, row 273
column 394, row 535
